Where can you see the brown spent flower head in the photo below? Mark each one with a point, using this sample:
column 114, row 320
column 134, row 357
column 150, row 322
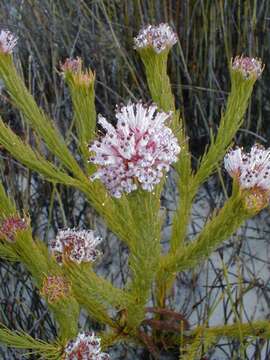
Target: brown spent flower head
column 73, row 68
column 85, row 347
column 55, row 288
column 10, row 226
column 256, row 199
column 248, row 67
column 7, row 42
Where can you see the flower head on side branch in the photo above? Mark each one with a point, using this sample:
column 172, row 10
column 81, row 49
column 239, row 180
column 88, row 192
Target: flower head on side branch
column 160, row 38
column 85, row 347
column 251, row 171
column 136, row 152
column 76, row 246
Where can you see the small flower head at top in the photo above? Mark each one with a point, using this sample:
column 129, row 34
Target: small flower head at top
column 248, row 67
column 71, row 65
column 55, row 288
column 7, row 42
column 77, row 246
column 10, row 226
column 72, row 69
column 159, row 38
column 252, row 172
column 85, row 347
column 137, row 152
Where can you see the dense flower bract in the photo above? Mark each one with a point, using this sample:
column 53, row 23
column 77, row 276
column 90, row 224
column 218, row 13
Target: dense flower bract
column 136, row 152
column 159, row 37
column 249, row 67
column 85, row 347
column 7, row 42
column 77, row 246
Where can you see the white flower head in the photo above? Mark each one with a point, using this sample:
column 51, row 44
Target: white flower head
column 137, row 152
column 159, row 37
column 249, row 67
column 85, row 347
column 252, row 169
column 78, row 246
column 7, row 42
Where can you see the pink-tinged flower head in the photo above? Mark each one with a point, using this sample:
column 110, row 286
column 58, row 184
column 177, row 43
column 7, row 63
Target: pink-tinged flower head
column 72, row 69
column 251, row 170
column 249, row 67
column 136, row 152
column 71, row 65
column 10, row 226
column 85, row 347
column 55, row 288
column 7, row 42
column 77, row 246
column 159, row 38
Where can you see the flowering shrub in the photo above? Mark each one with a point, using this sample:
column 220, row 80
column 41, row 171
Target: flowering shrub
column 122, row 174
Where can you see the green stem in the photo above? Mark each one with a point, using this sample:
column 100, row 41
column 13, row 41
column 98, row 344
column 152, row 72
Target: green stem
column 40, row 122
column 145, row 254
column 259, row 329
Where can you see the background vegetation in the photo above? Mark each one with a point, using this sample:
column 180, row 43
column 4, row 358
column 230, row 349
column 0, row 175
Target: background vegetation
column 101, row 32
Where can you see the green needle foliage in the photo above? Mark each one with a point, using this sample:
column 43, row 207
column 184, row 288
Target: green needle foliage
column 68, row 283
column 82, row 90
column 21, row 340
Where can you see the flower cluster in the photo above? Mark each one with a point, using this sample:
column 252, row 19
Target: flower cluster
column 159, row 38
column 252, row 171
column 10, row 226
column 77, row 246
column 136, row 152
column 85, row 347
column 249, row 67
column 7, row 42
column 55, row 288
